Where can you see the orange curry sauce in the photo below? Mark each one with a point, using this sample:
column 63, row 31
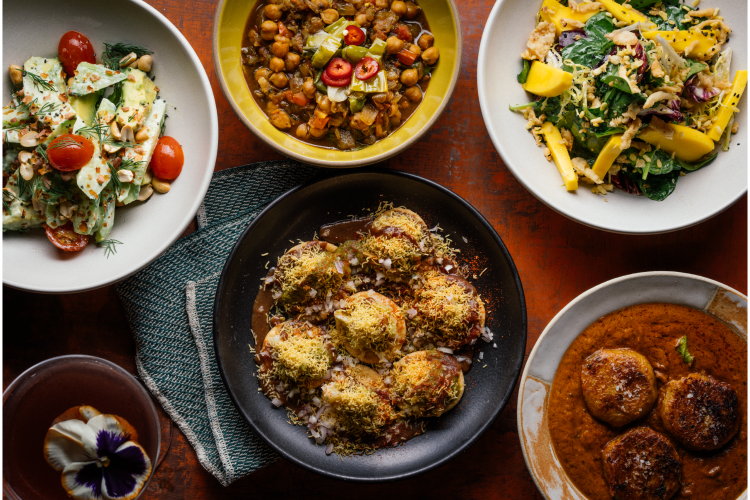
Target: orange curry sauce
column 652, row 330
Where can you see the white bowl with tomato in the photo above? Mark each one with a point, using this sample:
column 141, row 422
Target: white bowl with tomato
column 103, row 167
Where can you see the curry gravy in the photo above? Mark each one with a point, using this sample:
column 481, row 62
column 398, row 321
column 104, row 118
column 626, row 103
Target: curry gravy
column 652, row 330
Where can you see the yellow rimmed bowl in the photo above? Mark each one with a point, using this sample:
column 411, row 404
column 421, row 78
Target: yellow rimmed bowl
column 229, row 25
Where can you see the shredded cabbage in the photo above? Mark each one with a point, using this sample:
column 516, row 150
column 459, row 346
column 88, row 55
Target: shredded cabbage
column 720, row 70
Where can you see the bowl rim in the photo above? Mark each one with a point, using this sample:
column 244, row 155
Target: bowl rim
column 332, row 163
column 462, row 447
column 501, row 150
column 213, row 148
column 560, row 314
column 109, row 364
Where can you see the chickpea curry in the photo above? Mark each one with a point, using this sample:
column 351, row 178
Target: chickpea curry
column 338, row 74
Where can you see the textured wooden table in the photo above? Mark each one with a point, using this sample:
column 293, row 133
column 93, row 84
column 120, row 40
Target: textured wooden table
column 558, row 259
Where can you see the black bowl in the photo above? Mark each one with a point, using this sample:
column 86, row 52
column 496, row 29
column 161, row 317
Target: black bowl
column 297, row 215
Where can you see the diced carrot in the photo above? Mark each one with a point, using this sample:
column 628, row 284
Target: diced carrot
column 320, row 121
column 407, row 57
column 300, row 99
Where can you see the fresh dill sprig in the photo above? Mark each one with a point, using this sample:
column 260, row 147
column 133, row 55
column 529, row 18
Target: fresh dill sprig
column 114, row 52
column 47, row 109
column 111, row 141
column 130, row 164
column 15, row 88
column 23, row 184
column 63, row 142
column 8, row 197
column 52, row 188
column 98, row 130
column 11, row 129
column 110, row 246
column 42, row 152
column 22, row 108
column 38, row 81
column 115, row 180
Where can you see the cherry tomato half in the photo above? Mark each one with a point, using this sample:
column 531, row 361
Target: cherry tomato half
column 354, row 36
column 68, row 152
column 366, row 68
column 75, row 48
column 168, row 159
column 66, row 239
column 335, row 82
column 338, row 69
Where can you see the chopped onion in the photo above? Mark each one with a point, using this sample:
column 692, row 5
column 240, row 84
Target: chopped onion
column 445, row 350
column 338, row 94
column 387, row 380
column 276, row 295
column 354, row 261
column 464, row 238
column 312, row 420
column 387, row 264
column 316, row 401
column 276, row 402
column 329, row 448
column 379, row 275
column 339, row 266
column 481, row 355
column 313, row 292
column 411, row 312
column 315, row 434
column 435, row 228
column 448, row 268
column 269, row 279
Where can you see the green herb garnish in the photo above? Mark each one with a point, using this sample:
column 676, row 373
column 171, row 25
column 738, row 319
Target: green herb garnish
column 110, row 246
column 38, row 81
column 682, row 349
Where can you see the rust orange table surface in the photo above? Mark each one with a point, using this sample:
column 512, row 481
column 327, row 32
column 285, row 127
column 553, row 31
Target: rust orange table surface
column 557, row 259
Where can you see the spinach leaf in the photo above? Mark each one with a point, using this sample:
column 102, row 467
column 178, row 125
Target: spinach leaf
column 656, row 187
column 617, row 102
column 703, row 162
column 643, row 4
column 524, row 74
column 550, row 106
column 660, row 163
column 587, row 139
column 695, row 67
column 675, row 15
column 618, row 82
column 589, row 51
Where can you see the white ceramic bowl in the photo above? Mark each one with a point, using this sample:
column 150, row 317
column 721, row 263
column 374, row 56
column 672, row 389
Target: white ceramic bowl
column 699, row 196
column 145, row 229
column 697, row 292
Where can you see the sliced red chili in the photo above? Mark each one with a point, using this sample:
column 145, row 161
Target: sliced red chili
column 339, row 69
column 354, row 36
column 335, row 82
column 366, row 68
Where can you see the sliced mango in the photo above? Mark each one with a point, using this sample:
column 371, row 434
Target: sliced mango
column 554, row 12
column 560, row 155
column 546, row 80
column 680, row 40
column 607, row 156
column 624, row 12
column 729, row 104
column 686, row 143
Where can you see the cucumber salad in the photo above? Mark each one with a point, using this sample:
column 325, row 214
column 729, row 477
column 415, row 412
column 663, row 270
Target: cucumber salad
column 81, row 138
column 630, row 95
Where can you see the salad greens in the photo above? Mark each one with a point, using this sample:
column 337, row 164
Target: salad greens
column 640, row 110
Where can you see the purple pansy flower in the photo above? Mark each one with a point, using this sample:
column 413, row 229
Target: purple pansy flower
column 97, row 457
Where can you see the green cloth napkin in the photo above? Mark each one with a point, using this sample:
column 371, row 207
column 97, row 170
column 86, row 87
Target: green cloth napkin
column 169, row 306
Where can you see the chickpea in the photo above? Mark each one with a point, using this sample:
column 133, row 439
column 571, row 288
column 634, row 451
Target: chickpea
column 431, row 55
column 412, row 10
column 280, row 119
column 280, row 49
column 414, row 94
column 399, row 7
column 325, row 105
column 272, row 107
column 361, row 19
column 329, row 16
column 292, row 60
column 282, row 39
column 262, row 73
column 16, row 74
column 409, row 77
column 404, row 103
column 268, row 30
column 279, row 80
column 414, row 49
column 381, row 4
column 394, row 45
column 318, row 132
column 276, row 64
column 426, row 41
column 308, row 88
column 273, row 12
column 302, row 131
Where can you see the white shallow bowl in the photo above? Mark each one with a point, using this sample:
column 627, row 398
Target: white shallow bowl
column 698, row 196
column 146, row 230
column 700, row 293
